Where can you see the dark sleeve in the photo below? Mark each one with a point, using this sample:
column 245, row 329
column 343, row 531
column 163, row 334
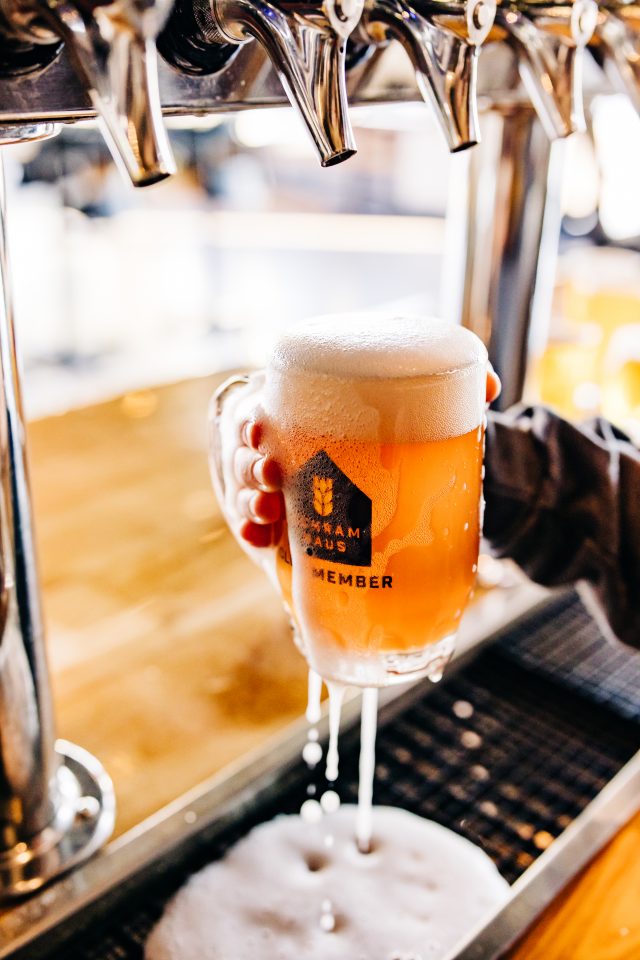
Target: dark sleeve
column 564, row 503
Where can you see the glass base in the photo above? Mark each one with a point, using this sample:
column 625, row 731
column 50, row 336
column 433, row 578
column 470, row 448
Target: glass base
column 383, row 668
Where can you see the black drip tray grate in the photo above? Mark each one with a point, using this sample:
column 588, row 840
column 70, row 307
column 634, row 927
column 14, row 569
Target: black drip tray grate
column 504, row 754
column 568, row 646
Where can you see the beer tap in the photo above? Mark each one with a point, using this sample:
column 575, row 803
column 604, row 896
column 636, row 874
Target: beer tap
column 617, row 47
column 111, row 44
column 306, row 42
column 549, row 40
column 442, row 40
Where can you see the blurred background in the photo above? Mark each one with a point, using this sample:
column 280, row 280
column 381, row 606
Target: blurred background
column 200, row 273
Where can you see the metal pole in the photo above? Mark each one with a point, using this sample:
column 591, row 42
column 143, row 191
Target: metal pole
column 56, row 802
column 505, row 240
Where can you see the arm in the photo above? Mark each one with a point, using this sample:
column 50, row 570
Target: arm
column 564, row 503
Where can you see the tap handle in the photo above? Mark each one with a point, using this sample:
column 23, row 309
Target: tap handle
column 112, row 47
column 307, row 46
column 443, row 49
column 550, row 43
column 620, row 44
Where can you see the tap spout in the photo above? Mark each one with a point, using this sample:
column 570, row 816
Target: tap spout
column 550, row 42
column 112, row 47
column 620, row 43
column 307, row 46
column 442, row 43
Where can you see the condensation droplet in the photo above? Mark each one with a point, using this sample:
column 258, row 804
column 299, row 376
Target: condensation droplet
column 466, row 526
column 313, row 734
column 311, row 789
column 311, row 811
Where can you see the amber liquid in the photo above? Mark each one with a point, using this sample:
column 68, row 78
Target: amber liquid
column 425, row 532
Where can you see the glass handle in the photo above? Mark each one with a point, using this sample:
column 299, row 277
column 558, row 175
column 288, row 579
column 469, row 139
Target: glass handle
column 216, row 415
column 225, row 416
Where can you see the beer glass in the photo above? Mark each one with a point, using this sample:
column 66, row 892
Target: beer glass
column 377, row 424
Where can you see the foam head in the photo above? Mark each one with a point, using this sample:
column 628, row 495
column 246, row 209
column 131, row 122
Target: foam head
column 364, row 376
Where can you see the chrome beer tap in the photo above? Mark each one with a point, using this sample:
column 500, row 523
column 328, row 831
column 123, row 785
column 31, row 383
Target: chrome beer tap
column 442, row 40
column 549, row 40
column 616, row 46
column 112, row 47
column 306, row 41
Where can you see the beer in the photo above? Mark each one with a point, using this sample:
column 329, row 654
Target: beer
column 377, row 424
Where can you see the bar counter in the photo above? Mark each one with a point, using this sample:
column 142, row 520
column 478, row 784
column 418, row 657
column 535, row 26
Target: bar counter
column 170, row 654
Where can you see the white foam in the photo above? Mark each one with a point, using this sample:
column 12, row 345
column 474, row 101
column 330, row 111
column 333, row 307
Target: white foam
column 359, row 376
column 367, row 767
column 418, row 893
column 365, row 345
column 336, row 698
column 314, row 697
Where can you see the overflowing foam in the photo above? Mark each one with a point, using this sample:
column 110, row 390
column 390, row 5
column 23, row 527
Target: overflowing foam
column 283, row 893
column 366, row 377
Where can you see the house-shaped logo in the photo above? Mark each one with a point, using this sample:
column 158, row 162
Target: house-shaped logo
column 333, row 520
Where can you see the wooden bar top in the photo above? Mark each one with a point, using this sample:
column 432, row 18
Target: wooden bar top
column 170, row 653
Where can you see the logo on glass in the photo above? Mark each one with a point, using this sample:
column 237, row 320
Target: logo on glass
column 323, row 496
column 334, row 515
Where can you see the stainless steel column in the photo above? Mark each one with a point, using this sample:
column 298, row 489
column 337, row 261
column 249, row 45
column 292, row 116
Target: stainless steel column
column 505, row 231
column 56, row 802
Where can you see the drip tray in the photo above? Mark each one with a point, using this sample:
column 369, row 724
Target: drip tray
column 509, row 750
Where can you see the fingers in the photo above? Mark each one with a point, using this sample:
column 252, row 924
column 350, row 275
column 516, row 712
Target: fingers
column 260, row 534
column 493, row 384
column 250, row 433
column 253, row 470
column 260, row 507
column 259, row 501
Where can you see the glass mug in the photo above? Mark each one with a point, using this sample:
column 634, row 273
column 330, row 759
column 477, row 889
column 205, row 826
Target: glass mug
column 377, row 424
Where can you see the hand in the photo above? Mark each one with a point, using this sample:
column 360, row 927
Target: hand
column 258, row 498
column 493, row 384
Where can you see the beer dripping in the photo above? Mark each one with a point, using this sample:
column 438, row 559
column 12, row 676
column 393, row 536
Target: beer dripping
column 64, row 61
column 442, row 41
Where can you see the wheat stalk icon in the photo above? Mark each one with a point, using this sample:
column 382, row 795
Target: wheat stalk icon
column 323, row 496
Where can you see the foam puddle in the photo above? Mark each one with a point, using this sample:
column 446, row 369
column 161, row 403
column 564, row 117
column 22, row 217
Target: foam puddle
column 282, row 893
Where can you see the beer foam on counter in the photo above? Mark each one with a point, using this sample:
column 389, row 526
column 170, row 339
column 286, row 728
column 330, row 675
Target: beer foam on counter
column 283, row 893
column 427, row 376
